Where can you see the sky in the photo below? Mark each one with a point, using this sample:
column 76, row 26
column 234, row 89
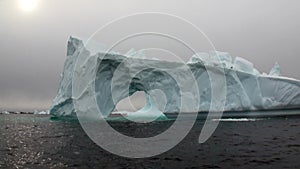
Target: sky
column 34, row 35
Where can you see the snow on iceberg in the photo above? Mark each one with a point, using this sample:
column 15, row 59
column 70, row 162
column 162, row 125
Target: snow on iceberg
column 247, row 89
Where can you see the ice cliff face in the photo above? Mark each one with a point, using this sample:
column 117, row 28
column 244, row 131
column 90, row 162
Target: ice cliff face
column 247, row 89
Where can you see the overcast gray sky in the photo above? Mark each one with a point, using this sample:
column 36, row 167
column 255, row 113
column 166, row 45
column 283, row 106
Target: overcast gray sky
column 33, row 41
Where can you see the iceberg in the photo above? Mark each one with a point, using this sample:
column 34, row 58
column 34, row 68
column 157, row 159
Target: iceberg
column 46, row 112
column 4, row 112
column 246, row 88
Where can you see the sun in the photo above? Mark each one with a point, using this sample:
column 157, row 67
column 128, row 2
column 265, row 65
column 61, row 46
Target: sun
column 27, row 5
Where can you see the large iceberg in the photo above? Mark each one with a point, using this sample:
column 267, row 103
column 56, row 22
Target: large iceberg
column 246, row 88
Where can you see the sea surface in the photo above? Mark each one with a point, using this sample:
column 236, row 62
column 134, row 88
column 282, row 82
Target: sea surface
column 37, row 141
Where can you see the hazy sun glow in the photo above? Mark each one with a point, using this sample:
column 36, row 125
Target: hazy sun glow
column 27, row 5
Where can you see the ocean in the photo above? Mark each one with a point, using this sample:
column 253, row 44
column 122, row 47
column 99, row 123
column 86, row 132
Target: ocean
column 37, row 141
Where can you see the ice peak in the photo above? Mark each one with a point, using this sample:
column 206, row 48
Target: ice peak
column 276, row 70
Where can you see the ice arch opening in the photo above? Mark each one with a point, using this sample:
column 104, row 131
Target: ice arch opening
column 115, row 88
column 151, row 111
column 131, row 103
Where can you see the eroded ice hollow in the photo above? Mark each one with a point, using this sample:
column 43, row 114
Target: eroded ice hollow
column 246, row 88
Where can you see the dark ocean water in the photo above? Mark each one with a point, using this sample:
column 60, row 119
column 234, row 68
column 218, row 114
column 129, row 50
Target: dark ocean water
column 35, row 141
